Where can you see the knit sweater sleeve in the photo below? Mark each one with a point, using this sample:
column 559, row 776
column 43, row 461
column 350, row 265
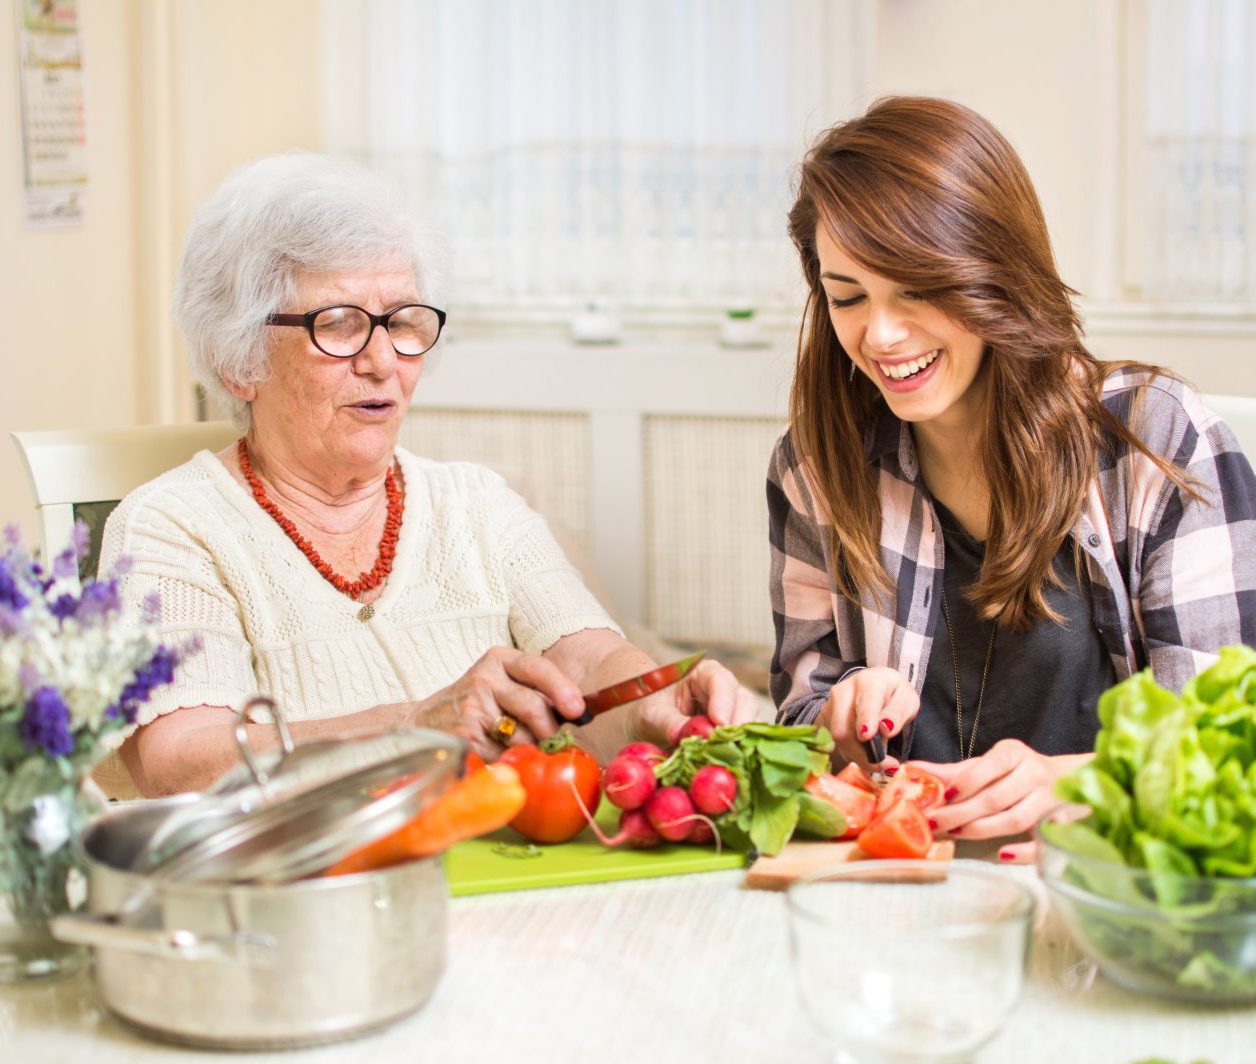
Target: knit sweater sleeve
column 548, row 596
column 160, row 536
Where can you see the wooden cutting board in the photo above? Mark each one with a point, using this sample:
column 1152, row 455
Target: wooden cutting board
column 799, row 859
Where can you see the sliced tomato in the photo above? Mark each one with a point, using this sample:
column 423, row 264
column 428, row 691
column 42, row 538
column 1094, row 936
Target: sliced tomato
column 923, row 790
column 857, row 777
column 900, row 830
column 856, row 804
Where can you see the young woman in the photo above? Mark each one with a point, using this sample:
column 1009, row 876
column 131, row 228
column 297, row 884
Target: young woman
column 977, row 526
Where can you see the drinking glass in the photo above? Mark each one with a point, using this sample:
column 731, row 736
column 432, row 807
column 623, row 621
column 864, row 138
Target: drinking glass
column 909, row 961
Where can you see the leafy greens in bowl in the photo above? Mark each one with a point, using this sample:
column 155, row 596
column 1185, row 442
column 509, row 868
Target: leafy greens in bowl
column 1158, row 880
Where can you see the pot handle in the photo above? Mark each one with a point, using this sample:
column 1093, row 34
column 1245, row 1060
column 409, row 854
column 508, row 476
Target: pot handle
column 106, row 932
column 242, row 735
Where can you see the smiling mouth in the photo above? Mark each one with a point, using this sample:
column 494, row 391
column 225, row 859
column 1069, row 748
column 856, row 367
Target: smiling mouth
column 901, row 371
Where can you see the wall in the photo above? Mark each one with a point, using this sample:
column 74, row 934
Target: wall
column 67, row 295
column 178, row 93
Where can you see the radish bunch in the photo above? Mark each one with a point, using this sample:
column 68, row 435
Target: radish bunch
column 654, row 813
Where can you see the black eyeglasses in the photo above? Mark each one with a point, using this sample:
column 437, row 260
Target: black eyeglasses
column 342, row 331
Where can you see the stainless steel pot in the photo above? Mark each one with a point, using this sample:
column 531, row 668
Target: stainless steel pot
column 252, row 966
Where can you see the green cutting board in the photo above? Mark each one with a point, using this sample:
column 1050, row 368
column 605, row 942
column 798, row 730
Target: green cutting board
column 497, row 862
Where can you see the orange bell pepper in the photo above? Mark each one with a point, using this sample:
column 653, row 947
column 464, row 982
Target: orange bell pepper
column 482, row 801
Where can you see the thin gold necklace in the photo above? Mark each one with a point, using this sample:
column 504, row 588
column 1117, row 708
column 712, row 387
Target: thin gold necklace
column 981, row 692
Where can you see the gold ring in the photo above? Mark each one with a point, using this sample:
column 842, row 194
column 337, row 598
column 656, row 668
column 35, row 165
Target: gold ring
column 504, row 728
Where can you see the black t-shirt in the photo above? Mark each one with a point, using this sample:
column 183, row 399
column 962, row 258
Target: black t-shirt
column 1042, row 685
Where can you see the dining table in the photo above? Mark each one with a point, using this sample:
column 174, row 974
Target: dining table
column 691, row 967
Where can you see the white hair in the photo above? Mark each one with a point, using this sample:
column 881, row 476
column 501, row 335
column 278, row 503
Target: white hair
column 268, row 221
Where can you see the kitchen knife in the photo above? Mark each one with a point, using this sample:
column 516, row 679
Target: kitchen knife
column 874, row 749
column 626, row 691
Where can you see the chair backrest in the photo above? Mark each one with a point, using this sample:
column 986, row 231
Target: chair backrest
column 1239, row 412
column 82, row 474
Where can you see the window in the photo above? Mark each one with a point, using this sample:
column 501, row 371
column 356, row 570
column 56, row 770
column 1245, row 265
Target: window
column 640, row 151
column 1194, row 160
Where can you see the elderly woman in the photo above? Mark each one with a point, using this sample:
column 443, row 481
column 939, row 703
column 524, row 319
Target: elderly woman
column 317, row 562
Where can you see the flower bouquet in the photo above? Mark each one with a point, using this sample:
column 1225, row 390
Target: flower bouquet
column 75, row 666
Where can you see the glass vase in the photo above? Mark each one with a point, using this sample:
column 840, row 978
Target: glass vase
column 41, row 871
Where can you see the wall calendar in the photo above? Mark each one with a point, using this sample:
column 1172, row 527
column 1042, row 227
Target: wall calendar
column 54, row 128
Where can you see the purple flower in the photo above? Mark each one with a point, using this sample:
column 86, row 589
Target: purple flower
column 12, row 535
column 65, row 565
column 80, row 539
column 45, row 725
column 158, row 671
column 152, row 608
column 10, row 594
column 28, row 676
column 99, row 598
column 63, row 607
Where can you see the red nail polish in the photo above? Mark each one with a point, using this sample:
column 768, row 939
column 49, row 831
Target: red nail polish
column 863, row 729
column 891, row 770
column 1004, row 855
column 887, row 724
column 951, row 792
column 933, row 824
column 954, row 831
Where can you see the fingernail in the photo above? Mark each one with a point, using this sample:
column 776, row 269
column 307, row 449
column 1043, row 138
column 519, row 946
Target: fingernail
column 863, row 730
column 891, row 770
column 933, row 824
column 951, row 792
column 887, row 724
column 954, row 831
column 1006, row 855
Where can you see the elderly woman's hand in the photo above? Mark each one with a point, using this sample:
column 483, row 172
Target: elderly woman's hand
column 503, row 683
column 708, row 688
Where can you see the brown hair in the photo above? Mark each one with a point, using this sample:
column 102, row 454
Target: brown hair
column 929, row 194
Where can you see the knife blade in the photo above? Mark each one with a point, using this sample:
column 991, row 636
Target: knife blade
column 625, row 691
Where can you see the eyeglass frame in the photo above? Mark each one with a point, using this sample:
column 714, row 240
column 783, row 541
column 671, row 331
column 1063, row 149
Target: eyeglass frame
column 306, row 321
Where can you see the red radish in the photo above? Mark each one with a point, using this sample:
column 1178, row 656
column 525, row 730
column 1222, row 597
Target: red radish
column 634, row 826
column 671, row 813
column 713, row 790
column 700, row 726
column 636, row 830
column 647, row 752
column 701, row 832
column 628, row 782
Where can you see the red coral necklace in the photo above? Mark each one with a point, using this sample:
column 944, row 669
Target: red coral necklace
column 387, row 544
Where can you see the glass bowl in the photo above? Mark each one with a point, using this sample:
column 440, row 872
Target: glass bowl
column 1191, row 938
column 909, row 960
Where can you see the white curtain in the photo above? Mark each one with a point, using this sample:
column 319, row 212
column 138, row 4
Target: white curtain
column 636, row 151
column 1201, row 150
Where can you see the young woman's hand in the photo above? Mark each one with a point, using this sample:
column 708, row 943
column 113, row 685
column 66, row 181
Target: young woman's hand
column 876, row 699
column 1005, row 791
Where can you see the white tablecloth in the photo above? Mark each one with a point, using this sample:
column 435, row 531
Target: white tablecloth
column 686, row 968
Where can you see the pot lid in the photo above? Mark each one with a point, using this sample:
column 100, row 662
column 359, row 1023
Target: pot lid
column 296, row 810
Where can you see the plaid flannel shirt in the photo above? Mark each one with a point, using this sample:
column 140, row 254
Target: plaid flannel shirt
column 1171, row 579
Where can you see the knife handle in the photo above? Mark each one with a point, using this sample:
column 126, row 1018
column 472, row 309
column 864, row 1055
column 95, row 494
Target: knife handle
column 874, row 748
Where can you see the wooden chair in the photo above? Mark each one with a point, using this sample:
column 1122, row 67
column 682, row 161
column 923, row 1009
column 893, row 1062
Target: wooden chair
column 82, row 474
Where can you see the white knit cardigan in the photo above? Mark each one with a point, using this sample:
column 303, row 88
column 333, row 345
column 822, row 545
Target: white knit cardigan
column 475, row 568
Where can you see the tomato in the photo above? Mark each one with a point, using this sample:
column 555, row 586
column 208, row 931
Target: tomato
column 473, row 762
column 857, row 777
column 856, row 804
column 898, row 830
column 552, row 775
column 923, row 790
